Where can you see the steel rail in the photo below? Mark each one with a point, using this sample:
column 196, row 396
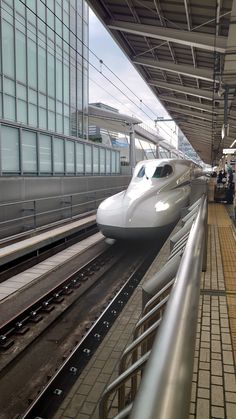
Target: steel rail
column 165, row 389
column 52, row 395
column 54, row 295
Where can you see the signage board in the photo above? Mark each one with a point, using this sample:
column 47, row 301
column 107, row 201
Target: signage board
column 229, row 150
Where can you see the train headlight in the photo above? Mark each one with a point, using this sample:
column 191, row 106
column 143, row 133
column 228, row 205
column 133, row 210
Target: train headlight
column 161, row 206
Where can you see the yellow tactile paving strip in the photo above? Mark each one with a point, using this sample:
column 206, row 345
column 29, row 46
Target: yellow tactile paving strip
column 217, row 215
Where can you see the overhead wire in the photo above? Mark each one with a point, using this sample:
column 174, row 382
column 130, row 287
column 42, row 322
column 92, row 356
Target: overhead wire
column 95, row 68
column 214, row 152
column 98, row 58
column 89, row 62
column 57, row 55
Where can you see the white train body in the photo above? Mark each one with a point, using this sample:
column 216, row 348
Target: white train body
column 158, row 190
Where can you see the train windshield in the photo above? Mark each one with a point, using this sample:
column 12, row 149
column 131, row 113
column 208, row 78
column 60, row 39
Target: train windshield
column 162, row 171
column 155, row 172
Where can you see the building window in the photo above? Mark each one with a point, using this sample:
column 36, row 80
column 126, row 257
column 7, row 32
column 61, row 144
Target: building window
column 95, row 160
column 117, row 162
column 70, row 156
column 8, row 49
column 42, row 118
column 9, row 107
column 113, row 162
column 33, row 115
column 42, row 79
column 58, row 155
column 79, row 158
column 22, row 111
column 32, row 63
column 45, row 154
column 102, row 160
column 29, row 152
column 10, row 149
column 88, row 159
column 20, row 57
column 51, row 75
column 108, row 161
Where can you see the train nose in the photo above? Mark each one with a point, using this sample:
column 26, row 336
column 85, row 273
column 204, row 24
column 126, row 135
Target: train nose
column 112, row 216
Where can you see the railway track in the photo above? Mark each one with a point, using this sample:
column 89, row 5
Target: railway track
column 36, row 256
column 57, row 298
column 72, row 318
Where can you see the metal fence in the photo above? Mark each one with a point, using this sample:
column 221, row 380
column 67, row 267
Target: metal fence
column 155, row 372
column 23, row 216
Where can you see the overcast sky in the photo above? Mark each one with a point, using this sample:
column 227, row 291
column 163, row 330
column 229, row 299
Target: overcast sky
column 100, row 90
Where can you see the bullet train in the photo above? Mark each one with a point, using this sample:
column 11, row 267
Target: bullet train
column 158, row 190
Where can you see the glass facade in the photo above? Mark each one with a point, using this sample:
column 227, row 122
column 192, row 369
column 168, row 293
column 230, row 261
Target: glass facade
column 44, row 68
column 44, row 89
column 29, row 152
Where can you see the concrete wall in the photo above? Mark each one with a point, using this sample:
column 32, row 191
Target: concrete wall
column 21, row 216
column 24, row 188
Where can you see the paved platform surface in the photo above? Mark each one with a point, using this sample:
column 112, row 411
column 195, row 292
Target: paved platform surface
column 25, row 278
column 26, row 246
column 214, row 384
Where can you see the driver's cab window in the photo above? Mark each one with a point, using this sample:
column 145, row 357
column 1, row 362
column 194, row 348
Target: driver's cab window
column 151, row 171
column 162, row 171
column 167, row 170
column 141, row 172
column 158, row 172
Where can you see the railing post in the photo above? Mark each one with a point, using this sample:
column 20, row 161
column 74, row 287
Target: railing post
column 35, row 215
column 204, row 260
column 165, row 390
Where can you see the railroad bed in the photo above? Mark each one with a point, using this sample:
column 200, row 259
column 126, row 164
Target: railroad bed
column 18, row 255
column 39, row 343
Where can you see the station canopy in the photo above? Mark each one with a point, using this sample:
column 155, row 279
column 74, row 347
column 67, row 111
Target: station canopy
column 186, row 52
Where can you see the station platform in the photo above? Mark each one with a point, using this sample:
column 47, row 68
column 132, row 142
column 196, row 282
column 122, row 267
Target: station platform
column 22, row 280
column 214, row 380
column 14, row 251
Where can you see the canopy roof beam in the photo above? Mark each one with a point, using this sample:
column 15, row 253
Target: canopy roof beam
column 184, row 69
column 198, row 115
column 195, row 39
column 188, row 103
column 205, row 94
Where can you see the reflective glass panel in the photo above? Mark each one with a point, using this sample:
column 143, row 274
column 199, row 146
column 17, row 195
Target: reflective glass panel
column 102, row 160
column 70, row 157
column 113, row 162
column 29, row 156
column 58, row 155
column 79, row 158
column 45, row 153
column 10, row 149
column 95, row 160
column 108, row 161
column 88, row 159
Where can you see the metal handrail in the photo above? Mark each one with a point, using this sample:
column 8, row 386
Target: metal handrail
column 62, row 196
column 119, row 385
column 124, row 413
column 165, row 389
column 158, row 296
column 150, row 316
column 72, row 208
column 135, row 344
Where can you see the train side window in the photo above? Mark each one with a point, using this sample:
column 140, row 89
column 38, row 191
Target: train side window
column 141, row 172
column 162, row 171
column 167, row 170
column 158, row 172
